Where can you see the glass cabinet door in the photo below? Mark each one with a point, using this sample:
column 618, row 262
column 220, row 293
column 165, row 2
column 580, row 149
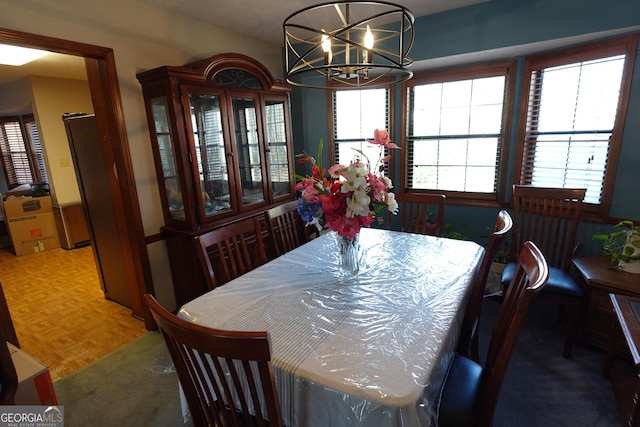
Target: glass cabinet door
column 247, row 146
column 168, row 161
column 276, row 135
column 211, row 158
column 222, row 145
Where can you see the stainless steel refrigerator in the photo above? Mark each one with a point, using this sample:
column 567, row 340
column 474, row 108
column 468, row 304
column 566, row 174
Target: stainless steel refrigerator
column 91, row 172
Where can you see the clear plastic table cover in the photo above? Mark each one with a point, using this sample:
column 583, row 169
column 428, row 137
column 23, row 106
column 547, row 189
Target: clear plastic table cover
column 363, row 350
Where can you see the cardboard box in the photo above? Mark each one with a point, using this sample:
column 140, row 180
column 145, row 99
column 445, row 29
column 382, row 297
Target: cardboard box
column 32, row 225
column 21, row 206
column 34, row 380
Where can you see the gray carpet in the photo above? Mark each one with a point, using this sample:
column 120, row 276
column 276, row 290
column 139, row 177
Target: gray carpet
column 134, row 386
column 541, row 388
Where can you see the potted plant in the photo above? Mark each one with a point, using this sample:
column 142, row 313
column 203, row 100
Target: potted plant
column 623, row 245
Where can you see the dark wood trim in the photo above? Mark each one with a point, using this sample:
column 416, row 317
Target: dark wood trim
column 105, row 91
column 7, row 329
column 404, row 129
column 110, row 120
column 154, row 238
column 209, row 67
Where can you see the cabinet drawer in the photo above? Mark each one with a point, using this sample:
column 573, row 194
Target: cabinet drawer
column 599, row 300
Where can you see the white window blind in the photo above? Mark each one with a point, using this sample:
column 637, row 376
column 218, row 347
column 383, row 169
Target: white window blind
column 275, row 129
column 22, row 156
column 570, row 121
column 455, row 134
column 356, row 115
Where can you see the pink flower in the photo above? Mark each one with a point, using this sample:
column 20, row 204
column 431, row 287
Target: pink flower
column 381, row 137
column 337, row 170
column 378, row 185
column 309, row 190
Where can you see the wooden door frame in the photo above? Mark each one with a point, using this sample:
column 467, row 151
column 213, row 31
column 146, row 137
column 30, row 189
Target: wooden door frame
column 107, row 104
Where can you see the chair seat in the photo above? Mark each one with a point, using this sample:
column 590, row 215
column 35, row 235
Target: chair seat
column 460, row 398
column 560, row 282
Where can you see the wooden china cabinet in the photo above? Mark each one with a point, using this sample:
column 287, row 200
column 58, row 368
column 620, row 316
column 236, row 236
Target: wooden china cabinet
column 221, row 137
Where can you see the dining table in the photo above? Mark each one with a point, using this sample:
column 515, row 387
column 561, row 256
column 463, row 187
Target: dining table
column 365, row 349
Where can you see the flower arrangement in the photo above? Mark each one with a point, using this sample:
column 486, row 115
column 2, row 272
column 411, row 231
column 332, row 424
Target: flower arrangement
column 348, row 197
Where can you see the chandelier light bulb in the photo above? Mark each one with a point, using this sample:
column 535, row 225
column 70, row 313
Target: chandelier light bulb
column 326, row 43
column 368, row 38
column 326, row 48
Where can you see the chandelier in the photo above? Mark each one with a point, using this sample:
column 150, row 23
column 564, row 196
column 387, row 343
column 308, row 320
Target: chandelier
column 352, row 44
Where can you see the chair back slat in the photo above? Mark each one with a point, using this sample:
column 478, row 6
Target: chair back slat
column 287, row 229
column 226, row 376
column 230, row 251
column 531, row 276
column 548, row 217
column 419, row 213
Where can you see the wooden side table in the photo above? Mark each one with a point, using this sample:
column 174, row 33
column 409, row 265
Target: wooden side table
column 627, row 311
column 600, row 279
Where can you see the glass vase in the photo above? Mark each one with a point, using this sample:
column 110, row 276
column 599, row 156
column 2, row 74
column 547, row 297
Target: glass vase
column 348, row 255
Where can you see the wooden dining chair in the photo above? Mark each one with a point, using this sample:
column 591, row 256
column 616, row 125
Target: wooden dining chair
column 470, row 392
column 549, row 217
column 468, row 342
column 419, row 213
column 286, row 229
column 230, row 251
column 226, row 376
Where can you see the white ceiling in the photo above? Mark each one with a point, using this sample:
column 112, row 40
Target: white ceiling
column 261, row 19
column 51, row 65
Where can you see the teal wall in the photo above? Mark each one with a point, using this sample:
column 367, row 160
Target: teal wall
column 503, row 24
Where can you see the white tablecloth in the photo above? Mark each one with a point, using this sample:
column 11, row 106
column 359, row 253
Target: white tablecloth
column 370, row 349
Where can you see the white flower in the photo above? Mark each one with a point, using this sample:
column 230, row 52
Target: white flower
column 387, row 182
column 358, row 204
column 392, row 205
column 316, row 222
column 356, row 177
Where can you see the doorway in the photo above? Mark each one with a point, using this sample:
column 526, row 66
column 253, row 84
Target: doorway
column 102, row 79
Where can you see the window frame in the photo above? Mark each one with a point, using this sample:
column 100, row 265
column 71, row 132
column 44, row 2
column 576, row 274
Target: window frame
column 626, row 45
column 389, row 86
column 32, row 148
column 508, row 69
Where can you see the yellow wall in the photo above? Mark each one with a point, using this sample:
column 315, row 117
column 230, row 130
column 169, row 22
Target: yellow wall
column 52, row 98
column 142, row 37
column 48, row 98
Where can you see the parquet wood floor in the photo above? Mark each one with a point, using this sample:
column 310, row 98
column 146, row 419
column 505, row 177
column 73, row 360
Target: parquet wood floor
column 59, row 311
